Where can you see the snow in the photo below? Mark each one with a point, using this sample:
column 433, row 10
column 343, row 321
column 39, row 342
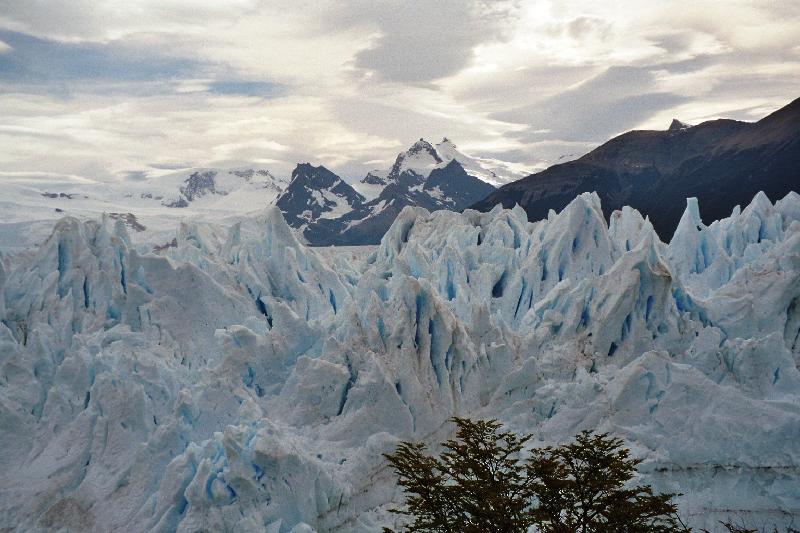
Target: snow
column 242, row 381
column 437, row 193
column 340, row 205
column 485, row 169
column 369, row 191
column 27, row 215
column 422, row 158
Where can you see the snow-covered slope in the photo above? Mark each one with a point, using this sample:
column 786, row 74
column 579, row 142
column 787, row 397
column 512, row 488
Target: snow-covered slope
column 420, row 177
column 316, row 193
column 231, row 383
column 153, row 208
column 419, row 160
column 423, row 157
column 448, row 187
column 490, row 171
column 223, row 189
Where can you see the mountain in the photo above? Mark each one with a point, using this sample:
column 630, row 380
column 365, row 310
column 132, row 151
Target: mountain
column 316, row 193
column 419, row 161
column 676, row 125
column 426, row 176
column 250, row 383
column 374, row 177
column 453, row 187
column 153, row 206
column 491, row 171
column 723, row 163
column 444, row 187
column 423, row 157
column 209, row 183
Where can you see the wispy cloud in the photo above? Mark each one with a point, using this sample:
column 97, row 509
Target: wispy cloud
column 106, row 90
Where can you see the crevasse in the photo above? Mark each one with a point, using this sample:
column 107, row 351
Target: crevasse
column 240, row 383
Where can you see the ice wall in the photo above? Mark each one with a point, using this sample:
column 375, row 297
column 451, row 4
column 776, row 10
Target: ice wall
column 251, row 384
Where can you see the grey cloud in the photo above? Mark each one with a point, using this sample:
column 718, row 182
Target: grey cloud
column 615, row 101
column 694, row 64
column 522, row 86
column 34, row 60
column 580, row 27
column 120, row 67
column 424, row 41
column 169, row 166
column 246, row 88
column 136, row 175
column 675, row 42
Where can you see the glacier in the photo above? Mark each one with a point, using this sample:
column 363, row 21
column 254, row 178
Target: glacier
column 241, row 381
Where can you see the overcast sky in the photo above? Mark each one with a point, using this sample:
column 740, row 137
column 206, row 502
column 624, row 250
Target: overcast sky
column 119, row 89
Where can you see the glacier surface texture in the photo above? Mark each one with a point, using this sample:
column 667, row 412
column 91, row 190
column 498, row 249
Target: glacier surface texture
column 234, row 382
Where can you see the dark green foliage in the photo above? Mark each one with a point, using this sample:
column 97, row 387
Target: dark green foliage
column 480, row 484
column 477, row 485
column 582, row 487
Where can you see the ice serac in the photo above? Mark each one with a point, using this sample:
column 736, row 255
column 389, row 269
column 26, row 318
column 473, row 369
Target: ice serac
column 242, row 381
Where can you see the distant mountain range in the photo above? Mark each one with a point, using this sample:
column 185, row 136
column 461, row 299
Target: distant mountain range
column 183, row 188
column 329, row 211
column 723, row 163
column 320, row 205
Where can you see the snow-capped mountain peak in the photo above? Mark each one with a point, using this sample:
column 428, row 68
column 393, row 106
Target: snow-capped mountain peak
column 485, row 170
column 422, row 158
column 418, row 160
column 185, row 187
column 314, row 193
column 423, row 147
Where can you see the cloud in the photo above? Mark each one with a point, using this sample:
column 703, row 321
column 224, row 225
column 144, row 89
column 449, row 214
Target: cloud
column 35, row 60
column 88, row 20
column 426, row 41
column 169, row 166
column 36, row 178
column 243, row 87
column 106, row 88
column 136, row 175
column 605, row 105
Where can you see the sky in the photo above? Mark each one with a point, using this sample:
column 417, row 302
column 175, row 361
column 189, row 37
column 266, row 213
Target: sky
column 129, row 89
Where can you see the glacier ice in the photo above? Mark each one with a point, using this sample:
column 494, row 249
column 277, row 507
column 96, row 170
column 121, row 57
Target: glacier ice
column 249, row 383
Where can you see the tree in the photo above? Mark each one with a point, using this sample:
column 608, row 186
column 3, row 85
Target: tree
column 480, row 484
column 583, row 487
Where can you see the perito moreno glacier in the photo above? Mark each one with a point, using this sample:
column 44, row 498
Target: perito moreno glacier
column 240, row 381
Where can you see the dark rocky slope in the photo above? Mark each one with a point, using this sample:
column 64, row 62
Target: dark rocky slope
column 723, row 163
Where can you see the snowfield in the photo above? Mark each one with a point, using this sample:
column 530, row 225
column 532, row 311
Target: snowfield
column 152, row 208
column 240, row 381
